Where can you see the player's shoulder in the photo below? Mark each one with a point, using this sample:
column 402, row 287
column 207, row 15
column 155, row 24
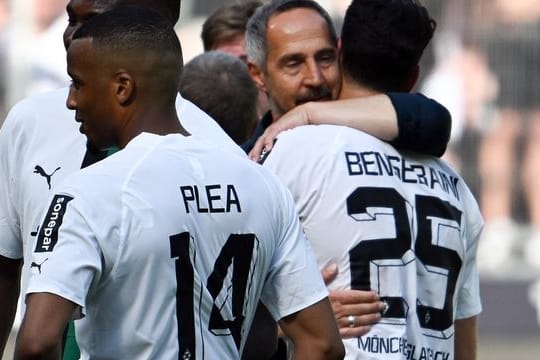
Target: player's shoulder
column 447, row 173
column 240, row 167
column 44, row 100
column 44, row 108
column 314, row 135
column 319, row 141
column 198, row 122
column 184, row 106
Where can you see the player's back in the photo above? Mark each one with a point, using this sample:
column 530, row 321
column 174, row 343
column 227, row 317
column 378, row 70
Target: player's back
column 40, row 145
column 189, row 236
column 401, row 224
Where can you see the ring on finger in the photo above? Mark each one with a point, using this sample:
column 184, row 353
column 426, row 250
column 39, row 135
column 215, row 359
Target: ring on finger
column 351, row 321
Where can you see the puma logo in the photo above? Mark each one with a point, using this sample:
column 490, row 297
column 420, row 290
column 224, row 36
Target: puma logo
column 38, row 266
column 39, row 170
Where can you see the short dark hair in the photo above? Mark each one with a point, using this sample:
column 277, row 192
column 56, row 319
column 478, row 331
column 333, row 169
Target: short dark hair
column 227, row 22
column 132, row 34
column 383, row 41
column 220, row 84
column 256, row 42
column 169, row 9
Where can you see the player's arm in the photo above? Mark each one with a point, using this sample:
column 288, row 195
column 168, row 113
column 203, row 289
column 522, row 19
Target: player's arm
column 45, row 319
column 10, row 274
column 409, row 121
column 466, row 341
column 424, row 125
column 313, row 332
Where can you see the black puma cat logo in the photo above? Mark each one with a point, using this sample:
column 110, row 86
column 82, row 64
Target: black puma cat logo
column 38, row 266
column 39, row 170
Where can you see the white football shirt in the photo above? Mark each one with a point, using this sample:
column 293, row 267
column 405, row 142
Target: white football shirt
column 402, row 224
column 40, row 144
column 167, row 245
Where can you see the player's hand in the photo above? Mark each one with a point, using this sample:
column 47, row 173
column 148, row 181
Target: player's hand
column 355, row 311
column 362, row 307
column 296, row 117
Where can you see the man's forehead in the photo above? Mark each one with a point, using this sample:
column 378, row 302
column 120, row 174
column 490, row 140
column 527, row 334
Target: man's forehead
column 78, row 47
column 87, row 6
column 286, row 31
column 297, row 24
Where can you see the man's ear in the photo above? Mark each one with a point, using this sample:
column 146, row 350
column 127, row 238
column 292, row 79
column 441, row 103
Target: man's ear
column 413, row 78
column 257, row 76
column 124, row 87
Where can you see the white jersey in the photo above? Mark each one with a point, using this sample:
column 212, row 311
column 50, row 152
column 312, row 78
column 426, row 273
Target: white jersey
column 40, row 144
column 167, row 245
column 404, row 225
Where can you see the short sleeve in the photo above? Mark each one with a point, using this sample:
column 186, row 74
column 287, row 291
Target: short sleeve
column 66, row 256
column 468, row 299
column 11, row 244
column 294, row 281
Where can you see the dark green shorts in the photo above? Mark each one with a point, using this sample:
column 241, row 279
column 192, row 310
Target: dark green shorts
column 71, row 349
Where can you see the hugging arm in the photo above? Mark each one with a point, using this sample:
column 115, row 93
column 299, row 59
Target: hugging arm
column 407, row 121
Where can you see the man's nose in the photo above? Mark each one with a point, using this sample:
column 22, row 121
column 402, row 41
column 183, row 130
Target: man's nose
column 313, row 75
column 70, row 101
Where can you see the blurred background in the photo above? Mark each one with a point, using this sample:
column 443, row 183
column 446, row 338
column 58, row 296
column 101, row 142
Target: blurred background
column 483, row 65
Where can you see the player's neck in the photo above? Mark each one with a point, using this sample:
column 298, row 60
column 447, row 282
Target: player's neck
column 353, row 90
column 162, row 122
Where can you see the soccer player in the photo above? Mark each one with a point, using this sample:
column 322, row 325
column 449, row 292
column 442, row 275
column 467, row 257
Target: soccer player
column 160, row 247
column 40, row 145
column 401, row 224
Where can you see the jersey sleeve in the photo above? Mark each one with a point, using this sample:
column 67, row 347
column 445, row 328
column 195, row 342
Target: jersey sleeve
column 468, row 299
column 424, row 124
column 304, row 179
column 66, row 256
column 294, row 281
column 11, row 244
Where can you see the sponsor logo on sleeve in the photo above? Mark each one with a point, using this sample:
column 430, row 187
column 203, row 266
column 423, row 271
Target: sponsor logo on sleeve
column 48, row 233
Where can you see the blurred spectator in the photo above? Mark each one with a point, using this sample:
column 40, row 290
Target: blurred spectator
column 225, row 30
column 220, row 84
column 509, row 155
column 462, row 81
column 47, row 66
column 486, row 72
column 46, row 12
column 4, row 16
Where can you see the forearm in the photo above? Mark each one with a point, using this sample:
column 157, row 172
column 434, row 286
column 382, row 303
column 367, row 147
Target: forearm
column 466, row 338
column 314, row 332
column 410, row 121
column 45, row 319
column 29, row 349
column 374, row 115
column 316, row 351
column 9, row 294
